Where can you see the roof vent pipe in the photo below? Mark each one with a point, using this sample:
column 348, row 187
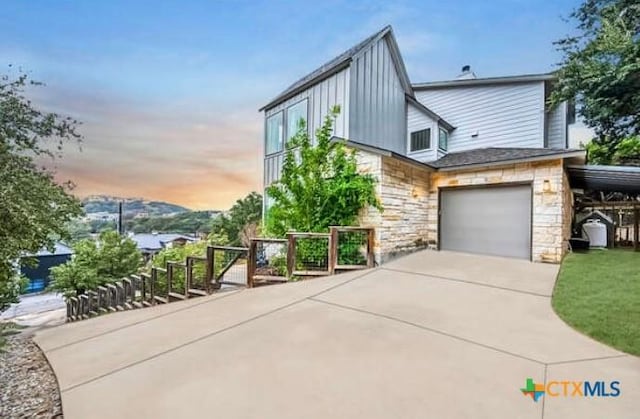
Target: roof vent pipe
column 466, row 74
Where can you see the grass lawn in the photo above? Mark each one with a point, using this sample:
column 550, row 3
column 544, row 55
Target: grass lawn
column 598, row 293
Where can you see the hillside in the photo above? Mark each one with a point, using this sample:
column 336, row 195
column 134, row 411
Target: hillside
column 131, row 207
column 185, row 223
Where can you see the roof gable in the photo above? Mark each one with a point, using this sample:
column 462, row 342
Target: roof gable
column 342, row 61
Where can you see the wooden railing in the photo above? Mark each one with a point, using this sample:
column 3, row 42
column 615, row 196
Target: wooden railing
column 175, row 282
column 265, row 261
column 280, row 260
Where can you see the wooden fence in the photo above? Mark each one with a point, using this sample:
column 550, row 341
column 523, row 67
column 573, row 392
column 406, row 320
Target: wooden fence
column 310, row 254
column 265, row 261
column 196, row 276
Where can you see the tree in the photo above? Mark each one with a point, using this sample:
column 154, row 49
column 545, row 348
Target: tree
column 601, row 70
column 247, row 210
column 320, row 185
column 111, row 258
column 78, row 230
column 33, row 207
column 625, row 152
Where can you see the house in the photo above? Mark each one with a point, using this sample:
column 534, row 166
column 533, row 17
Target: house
column 472, row 164
column 151, row 243
column 38, row 274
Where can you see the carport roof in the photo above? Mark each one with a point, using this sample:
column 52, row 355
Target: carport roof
column 605, row 178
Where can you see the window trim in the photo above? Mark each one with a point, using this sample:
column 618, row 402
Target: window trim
column 446, row 148
column 286, row 120
column 266, row 133
column 422, row 150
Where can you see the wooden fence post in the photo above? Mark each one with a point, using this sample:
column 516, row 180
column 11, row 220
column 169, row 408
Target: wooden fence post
column 211, row 255
column 102, row 300
column 370, row 245
column 333, row 249
column 188, row 276
column 152, row 285
column 291, row 254
column 169, row 279
column 251, row 262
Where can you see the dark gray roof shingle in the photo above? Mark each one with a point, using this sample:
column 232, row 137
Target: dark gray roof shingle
column 494, row 155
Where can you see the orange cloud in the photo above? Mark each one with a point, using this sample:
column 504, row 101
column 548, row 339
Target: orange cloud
column 199, row 159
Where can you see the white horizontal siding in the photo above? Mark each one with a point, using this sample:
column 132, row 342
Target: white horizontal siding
column 557, row 126
column 416, row 121
column 378, row 105
column 503, row 115
column 321, row 98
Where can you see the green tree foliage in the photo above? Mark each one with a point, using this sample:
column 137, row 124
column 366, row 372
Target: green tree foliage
column 33, row 207
column 244, row 213
column 625, row 152
column 601, row 70
column 320, row 185
column 111, row 258
column 180, row 254
column 184, row 223
column 78, row 230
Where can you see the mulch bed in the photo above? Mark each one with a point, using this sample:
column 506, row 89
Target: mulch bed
column 28, row 387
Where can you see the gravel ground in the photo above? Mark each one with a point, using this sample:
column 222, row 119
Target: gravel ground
column 28, row 387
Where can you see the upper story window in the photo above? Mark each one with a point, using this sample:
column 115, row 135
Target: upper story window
column 443, row 139
column 295, row 113
column 420, row 140
column 274, row 133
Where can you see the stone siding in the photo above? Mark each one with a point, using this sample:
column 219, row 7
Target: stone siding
column 403, row 191
column 409, row 197
column 550, row 228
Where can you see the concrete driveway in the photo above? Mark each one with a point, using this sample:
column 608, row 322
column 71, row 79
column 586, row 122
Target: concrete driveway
column 434, row 334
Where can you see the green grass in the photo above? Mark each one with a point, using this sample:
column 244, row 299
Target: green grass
column 598, row 293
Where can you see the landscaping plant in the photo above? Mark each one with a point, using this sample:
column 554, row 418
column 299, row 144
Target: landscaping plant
column 320, row 184
column 95, row 263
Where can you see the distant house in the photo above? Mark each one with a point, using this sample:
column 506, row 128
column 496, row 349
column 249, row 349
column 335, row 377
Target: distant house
column 38, row 275
column 151, row 243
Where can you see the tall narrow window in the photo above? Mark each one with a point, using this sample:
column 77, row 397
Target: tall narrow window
column 443, row 139
column 420, row 140
column 274, row 134
column 294, row 114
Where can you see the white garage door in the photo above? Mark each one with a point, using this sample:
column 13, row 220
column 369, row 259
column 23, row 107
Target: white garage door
column 488, row 220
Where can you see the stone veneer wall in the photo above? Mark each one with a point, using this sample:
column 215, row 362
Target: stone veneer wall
column 552, row 210
column 403, row 190
column 409, row 196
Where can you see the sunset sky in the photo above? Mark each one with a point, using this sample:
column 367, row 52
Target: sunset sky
column 169, row 91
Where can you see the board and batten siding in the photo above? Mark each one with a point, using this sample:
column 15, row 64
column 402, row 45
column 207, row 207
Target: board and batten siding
column 378, row 106
column 509, row 115
column 321, row 97
column 557, row 126
column 416, row 121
